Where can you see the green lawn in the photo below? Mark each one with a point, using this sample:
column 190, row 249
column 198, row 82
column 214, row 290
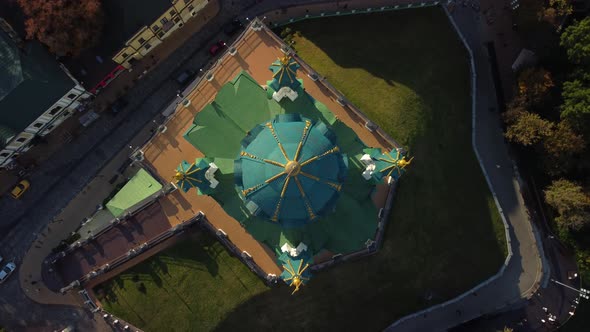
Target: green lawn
column 408, row 72
column 190, row 286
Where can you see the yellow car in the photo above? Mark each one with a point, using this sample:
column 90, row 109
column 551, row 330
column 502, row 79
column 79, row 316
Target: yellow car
column 20, row 189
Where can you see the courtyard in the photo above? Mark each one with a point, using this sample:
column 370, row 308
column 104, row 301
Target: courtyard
column 444, row 235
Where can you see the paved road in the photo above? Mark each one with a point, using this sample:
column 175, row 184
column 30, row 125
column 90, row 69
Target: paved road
column 551, row 299
column 522, row 274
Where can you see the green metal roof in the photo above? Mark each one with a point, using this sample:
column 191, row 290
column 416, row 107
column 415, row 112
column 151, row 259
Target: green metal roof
column 291, row 169
column 31, row 80
column 139, row 187
column 239, row 106
column 243, row 104
column 284, row 72
column 388, row 163
column 194, row 176
column 296, row 270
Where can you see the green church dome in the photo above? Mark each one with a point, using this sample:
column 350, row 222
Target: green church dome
column 290, row 170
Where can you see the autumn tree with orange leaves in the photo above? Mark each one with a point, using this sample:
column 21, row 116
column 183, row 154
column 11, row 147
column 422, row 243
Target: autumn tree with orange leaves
column 66, row 26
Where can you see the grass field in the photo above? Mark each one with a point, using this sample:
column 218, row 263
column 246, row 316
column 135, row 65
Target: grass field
column 408, row 72
column 191, row 285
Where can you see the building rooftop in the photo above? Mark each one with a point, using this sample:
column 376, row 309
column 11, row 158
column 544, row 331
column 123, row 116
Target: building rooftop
column 139, row 187
column 290, row 170
column 31, row 81
column 284, row 74
column 236, row 101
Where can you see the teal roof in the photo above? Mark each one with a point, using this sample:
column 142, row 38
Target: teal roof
column 387, row 163
column 243, row 104
column 139, row 187
column 193, row 176
column 290, row 170
column 296, row 270
column 284, row 72
column 31, row 80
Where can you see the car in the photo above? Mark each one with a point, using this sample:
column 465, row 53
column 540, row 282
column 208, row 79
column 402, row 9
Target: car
column 217, row 48
column 20, row 189
column 232, row 27
column 185, row 77
column 119, row 105
column 7, row 271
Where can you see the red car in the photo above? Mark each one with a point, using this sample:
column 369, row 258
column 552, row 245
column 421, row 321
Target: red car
column 216, row 48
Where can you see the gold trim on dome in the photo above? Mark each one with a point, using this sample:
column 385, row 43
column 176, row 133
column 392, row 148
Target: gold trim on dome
column 292, row 168
column 285, row 67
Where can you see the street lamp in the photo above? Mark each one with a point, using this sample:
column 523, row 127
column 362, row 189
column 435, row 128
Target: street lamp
column 584, row 293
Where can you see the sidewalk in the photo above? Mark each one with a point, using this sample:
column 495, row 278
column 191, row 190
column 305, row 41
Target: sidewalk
column 522, row 276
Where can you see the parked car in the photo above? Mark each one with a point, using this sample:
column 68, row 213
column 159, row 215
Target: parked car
column 232, row 27
column 20, row 189
column 217, row 48
column 119, row 105
column 185, row 77
column 7, row 271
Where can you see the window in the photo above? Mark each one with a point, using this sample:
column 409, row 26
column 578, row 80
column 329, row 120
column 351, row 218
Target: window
column 38, row 125
column 164, row 20
column 124, row 55
column 161, row 34
column 177, row 19
column 56, row 109
column 172, row 12
column 155, row 27
column 21, row 139
column 191, row 7
column 147, row 46
column 4, row 154
column 141, row 40
column 72, row 96
column 49, row 128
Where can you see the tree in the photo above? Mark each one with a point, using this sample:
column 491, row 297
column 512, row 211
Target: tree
column 576, row 99
column 563, row 141
column 576, row 40
column 555, row 10
column 66, row 26
column 526, row 128
column 534, row 84
column 571, row 203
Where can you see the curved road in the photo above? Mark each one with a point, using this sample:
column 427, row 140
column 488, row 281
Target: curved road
column 523, row 274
